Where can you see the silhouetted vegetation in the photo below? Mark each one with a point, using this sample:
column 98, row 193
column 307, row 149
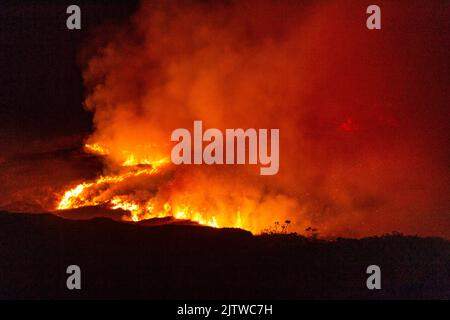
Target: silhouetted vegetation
column 120, row 260
column 278, row 228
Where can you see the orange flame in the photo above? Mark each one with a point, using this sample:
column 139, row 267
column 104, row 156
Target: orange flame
column 87, row 194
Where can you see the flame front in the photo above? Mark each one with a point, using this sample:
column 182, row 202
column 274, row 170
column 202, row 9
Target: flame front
column 107, row 190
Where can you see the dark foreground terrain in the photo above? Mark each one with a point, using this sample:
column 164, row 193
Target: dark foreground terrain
column 121, row 260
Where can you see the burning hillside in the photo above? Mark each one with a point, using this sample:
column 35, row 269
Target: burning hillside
column 362, row 118
column 143, row 188
column 141, row 203
column 351, row 152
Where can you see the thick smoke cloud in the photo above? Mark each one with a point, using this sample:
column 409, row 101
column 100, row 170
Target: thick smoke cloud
column 363, row 115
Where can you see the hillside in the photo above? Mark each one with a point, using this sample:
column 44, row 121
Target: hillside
column 122, row 260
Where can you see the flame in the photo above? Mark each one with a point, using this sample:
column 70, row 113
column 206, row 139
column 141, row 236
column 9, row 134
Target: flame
column 96, row 149
column 132, row 160
column 73, row 196
column 87, row 193
column 76, row 197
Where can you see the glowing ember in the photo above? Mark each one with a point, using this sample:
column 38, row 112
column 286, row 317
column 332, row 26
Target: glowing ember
column 349, row 126
column 133, row 161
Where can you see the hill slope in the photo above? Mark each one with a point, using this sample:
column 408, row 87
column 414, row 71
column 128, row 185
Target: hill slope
column 120, row 260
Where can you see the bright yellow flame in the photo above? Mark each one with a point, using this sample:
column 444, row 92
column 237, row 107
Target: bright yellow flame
column 70, row 197
column 96, row 149
column 132, row 160
column 76, row 197
column 238, row 220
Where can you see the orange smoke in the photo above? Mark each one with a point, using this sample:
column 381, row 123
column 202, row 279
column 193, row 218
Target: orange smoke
column 349, row 103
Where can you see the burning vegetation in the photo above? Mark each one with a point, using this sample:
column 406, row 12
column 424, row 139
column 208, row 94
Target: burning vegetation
column 130, row 189
column 107, row 190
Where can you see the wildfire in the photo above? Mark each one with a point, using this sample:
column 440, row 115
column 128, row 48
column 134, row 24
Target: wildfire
column 95, row 193
column 78, row 196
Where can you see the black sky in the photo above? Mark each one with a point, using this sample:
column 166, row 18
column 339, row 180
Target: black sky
column 41, row 86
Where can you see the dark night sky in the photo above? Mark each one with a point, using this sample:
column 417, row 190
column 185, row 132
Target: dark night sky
column 41, row 87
